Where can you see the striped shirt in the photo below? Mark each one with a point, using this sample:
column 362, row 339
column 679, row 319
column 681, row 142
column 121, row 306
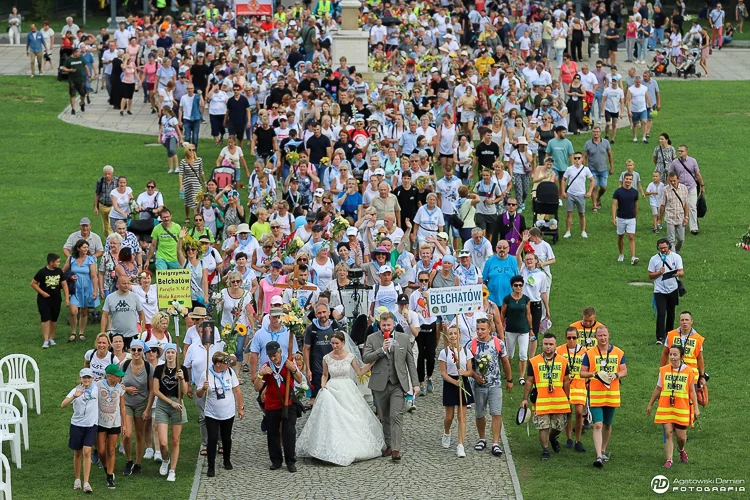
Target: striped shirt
column 674, row 201
column 104, row 188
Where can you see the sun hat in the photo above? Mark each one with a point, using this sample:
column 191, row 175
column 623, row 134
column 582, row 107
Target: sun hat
column 243, row 228
column 198, row 313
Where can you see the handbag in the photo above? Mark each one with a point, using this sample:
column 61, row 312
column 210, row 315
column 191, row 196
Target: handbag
column 700, row 206
column 68, row 277
column 458, row 223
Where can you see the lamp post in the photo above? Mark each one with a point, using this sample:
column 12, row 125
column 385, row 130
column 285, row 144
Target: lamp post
column 113, row 15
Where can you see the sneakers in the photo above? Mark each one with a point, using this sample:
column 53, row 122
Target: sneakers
column 171, row 171
column 83, row 108
column 668, row 464
column 584, row 234
column 645, row 141
column 658, row 226
column 555, row 445
column 45, row 344
column 87, row 488
column 545, row 454
column 410, row 403
column 149, row 454
column 157, row 456
column 228, row 465
column 635, row 139
column 128, row 468
column 634, row 261
column 446, row 441
column 164, row 469
column 430, row 387
column 171, row 477
column 683, row 456
column 569, row 444
column 579, row 447
column 567, row 234
column 460, row 453
column 559, row 202
column 72, row 111
column 654, row 230
column 111, row 481
column 599, row 463
column 137, row 469
column 422, row 390
column 77, row 484
column 263, row 426
column 211, row 472
column 605, row 457
column 620, row 258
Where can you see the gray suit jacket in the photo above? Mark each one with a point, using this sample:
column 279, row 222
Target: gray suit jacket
column 403, row 357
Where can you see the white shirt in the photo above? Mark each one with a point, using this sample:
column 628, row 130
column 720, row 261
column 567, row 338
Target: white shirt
column 386, row 297
column 577, row 187
column 99, row 365
column 192, row 336
column 588, row 81
column 85, row 407
column 467, row 327
column 149, row 301
column 108, row 56
column 450, row 365
column 217, row 105
column 535, row 282
column 195, row 359
column 479, row 253
column 122, row 38
column 378, row 34
column 638, row 98
column 544, row 252
column 612, row 99
column 221, row 382
column 429, row 222
column 448, row 190
column 672, row 262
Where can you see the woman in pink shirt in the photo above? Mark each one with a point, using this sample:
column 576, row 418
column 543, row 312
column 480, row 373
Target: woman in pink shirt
column 148, row 74
column 568, row 70
column 127, row 84
column 268, row 288
column 631, row 32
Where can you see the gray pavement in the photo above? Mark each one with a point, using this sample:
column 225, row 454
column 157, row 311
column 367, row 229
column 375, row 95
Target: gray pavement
column 426, row 471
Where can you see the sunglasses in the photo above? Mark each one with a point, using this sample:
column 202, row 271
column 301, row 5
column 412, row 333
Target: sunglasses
column 512, row 204
column 136, row 350
column 517, row 285
column 572, row 338
column 301, row 260
column 150, row 187
column 327, row 203
column 275, row 227
column 234, row 282
column 424, row 281
column 578, row 157
column 267, row 246
column 199, row 220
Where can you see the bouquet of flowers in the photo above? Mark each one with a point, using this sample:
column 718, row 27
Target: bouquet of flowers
column 134, row 207
column 292, row 158
column 422, row 182
column 267, row 200
column 177, row 309
column 340, row 225
column 199, row 195
column 483, row 363
column 325, row 161
column 744, row 242
column 291, row 246
column 294, row 318
column 300, row 390
column 398, row 272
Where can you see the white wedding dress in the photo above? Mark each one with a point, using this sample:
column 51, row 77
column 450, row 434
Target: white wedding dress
column 342, row 428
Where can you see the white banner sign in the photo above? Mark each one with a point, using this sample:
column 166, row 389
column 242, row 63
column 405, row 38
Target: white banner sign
column 455, row 300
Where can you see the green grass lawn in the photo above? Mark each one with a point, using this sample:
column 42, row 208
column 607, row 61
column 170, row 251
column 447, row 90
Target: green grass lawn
column 48, row 175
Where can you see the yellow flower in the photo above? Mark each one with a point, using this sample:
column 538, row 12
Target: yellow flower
column 241, row 330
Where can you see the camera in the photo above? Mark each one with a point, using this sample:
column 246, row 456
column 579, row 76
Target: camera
column 356, row 275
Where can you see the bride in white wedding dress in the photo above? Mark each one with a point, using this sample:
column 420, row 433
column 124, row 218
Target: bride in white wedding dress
column 342, row 428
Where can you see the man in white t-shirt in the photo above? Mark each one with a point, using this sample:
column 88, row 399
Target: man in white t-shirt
column 479, row 246
column 447, row 191
column 378, row 33
column 638, row 103
column 614, row 101
column 574, row 191
column 384, row 293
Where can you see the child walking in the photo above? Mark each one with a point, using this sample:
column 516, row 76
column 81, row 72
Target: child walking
column 83, row 426
column 655, row 191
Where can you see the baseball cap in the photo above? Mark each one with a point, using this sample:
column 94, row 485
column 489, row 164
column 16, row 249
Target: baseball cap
column 379, row 171
column 545, row 102
column 464, row 253
column 310, row 217
column 403, row 299
column 114, row 369
column 85, row 221
column 276, row 264
column 272, row 348
column 352, row 231
column 385, row 269
column 276, row 300
column 317, row 228
column 443, row 235
column 276, row 311
column 86, row 372
column 433, row 69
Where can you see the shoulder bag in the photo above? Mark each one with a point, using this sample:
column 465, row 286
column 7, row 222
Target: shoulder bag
column 700, row 206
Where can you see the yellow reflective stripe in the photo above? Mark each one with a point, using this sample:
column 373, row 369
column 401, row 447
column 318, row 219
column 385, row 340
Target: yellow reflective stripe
column 681, row 411
column 552, row 399
column 677, row 394
column 603, row 393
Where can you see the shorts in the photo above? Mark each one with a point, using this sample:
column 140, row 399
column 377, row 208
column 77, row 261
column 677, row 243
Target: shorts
column 165, row 414
column 560, row 174
column 135, row 411
column 604, row 414
column 81, row 436
column 609, row 115
column 639, row 116
column 171, row 147
column 236, row 129
column 654, row 210
column 487, row 396
column 679, row 427
column 446, row 156
column 49, row 309
column 600, row 178
column 109, row 431
column 468, row 116
column 625, row 226
column 576, row 200
column 150, row 86
column 648, row 114
column 163, row 265
column 76, row 87
column 553, row 421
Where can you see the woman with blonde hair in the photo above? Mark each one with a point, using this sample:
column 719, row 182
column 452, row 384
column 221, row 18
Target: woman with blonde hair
column 237, row 303
column 169, row 384
column 455, row 362
column 192, row 178
column 100, row 357
column 127, row 84
column 263, row 255
column 158, row 332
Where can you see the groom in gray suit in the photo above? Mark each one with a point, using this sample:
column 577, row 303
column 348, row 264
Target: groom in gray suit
column 393, row 374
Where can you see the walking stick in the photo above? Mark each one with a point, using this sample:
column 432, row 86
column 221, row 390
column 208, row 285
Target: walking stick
column 285, row 409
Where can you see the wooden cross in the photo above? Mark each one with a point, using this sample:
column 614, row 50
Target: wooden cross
column 295, row 286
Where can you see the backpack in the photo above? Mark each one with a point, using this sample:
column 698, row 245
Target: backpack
column 475, row 345
column 111, row 357
column 148, row 367
column 148, row 336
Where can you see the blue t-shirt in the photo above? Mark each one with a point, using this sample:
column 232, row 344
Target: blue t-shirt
column 560, row 149
column 497, row 274
column 352, row 202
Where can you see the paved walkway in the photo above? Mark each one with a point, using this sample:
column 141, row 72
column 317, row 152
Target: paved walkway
column 427, row 471
column 726, row 64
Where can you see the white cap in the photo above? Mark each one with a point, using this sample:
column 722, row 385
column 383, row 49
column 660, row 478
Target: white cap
column 379, row 171
column 319, row 192
column 352, row 231
column 86, row 372
column 433, row 70
column 385, row 269
column 276, row 299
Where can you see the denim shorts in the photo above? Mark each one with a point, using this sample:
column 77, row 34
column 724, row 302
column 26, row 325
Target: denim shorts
column 601, row 177
column 639, row 116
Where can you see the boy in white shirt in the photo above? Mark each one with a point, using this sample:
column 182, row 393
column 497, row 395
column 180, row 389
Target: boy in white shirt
column 655, row 192
column 574, row 191
column 83, row 425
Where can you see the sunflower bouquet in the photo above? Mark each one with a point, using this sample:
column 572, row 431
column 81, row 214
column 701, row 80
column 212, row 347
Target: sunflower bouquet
column 292, row 158
column 294, row 318
column 199, row 195
column 325, row 161
column 422, row 182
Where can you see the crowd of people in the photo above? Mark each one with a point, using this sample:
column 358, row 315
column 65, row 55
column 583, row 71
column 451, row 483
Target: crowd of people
column 361, row 198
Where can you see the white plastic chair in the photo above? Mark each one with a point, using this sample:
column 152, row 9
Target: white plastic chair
column 5, row 491
column 17, row 365
column 9, row 416
column 9, row 396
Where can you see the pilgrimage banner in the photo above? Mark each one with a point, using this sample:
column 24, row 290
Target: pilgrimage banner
column 454, row 300
column 253, row 7
column 173, row 285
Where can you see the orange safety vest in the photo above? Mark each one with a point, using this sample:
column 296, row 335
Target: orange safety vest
column 675, row 386
column 577, row 384
column 693, row 346
column 550, row 402
column 599, row 395
column 585, row 333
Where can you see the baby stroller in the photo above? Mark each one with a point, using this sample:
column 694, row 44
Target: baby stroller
column 688, row 65
column 223, row 176
column 660, row 63
column 545, row 202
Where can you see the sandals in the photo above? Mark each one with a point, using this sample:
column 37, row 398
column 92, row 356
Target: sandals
column 496, row 450
column 204, row 452
column 221, row 451
column 72, row 338
column 481, row 445
column 81, row 336
column 245, row 368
